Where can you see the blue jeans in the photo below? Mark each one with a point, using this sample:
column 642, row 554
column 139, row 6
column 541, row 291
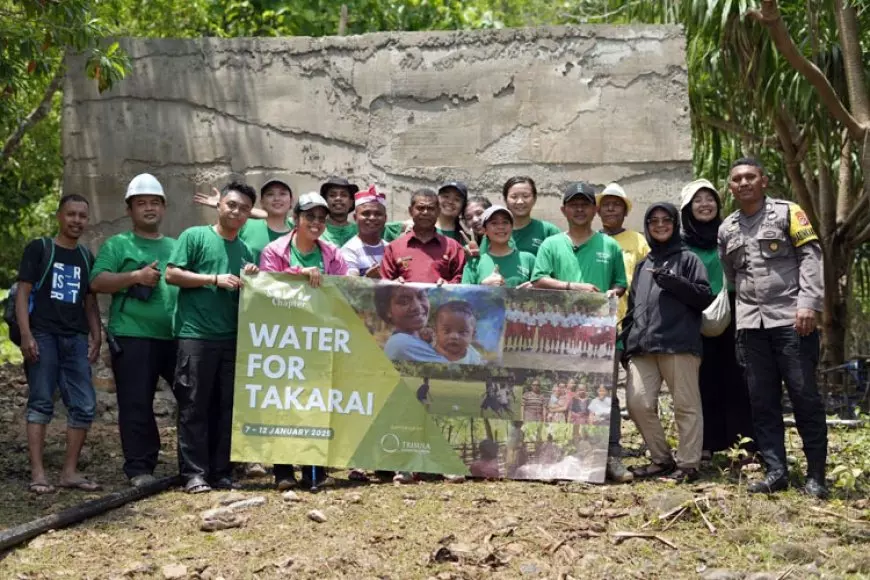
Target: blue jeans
column 63, row 362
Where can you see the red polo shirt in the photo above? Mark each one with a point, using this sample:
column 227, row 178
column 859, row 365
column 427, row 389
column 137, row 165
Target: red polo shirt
column 416, row 261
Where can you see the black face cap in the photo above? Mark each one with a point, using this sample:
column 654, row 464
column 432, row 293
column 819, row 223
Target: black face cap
column 579, row 189
column 334, row 181
column 457, row 185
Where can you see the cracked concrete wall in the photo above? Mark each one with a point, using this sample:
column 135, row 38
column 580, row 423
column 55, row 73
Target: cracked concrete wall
column 404, row 110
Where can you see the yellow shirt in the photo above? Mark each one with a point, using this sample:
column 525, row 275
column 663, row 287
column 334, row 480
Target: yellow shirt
column 634, row 249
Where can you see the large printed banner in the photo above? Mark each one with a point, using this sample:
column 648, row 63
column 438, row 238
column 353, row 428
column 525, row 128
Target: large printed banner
column 477, row 380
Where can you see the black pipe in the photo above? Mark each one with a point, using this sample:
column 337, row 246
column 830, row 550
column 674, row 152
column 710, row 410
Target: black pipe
column 13, row 536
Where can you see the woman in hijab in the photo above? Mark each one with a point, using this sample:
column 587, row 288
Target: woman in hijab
column 663, row 342
column 724, row 396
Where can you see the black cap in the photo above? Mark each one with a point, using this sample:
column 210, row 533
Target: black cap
column 581, row 189
column 334, row 181
column 272, row 179
column 457, row 185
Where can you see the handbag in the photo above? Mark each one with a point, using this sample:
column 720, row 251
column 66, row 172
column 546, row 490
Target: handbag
column 717, row 317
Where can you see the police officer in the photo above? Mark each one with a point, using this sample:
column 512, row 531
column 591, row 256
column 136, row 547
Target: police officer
column 770, row 251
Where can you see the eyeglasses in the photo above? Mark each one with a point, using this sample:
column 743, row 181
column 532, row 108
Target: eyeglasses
column 660, row 221
column 313, row 218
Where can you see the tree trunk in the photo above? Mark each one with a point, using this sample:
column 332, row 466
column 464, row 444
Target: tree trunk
column 835, row 319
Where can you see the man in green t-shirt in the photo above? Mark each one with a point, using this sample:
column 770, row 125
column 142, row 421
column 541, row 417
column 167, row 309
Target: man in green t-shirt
column 129, row 267
column 338, row 193
column 586, row 261
column 206, row 265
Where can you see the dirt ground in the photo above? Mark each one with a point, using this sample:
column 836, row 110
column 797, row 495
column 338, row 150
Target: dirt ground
column 431, row 530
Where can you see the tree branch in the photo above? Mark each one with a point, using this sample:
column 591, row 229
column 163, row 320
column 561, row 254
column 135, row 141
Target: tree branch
column 35, row 116
column 737, row 129
column 770, row 17
column 782, row 123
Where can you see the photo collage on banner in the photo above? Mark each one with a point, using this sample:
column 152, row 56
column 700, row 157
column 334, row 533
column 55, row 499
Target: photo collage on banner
column 487, row 381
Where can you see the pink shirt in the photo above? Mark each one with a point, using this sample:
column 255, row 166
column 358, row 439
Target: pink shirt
column 276, row 257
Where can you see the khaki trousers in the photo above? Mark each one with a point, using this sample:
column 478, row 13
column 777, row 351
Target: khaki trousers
column 680, row 372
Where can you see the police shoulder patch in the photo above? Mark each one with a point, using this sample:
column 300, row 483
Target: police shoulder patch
column 799, row 227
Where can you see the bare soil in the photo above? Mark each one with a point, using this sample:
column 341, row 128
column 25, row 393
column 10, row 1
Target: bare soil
column 437, row 530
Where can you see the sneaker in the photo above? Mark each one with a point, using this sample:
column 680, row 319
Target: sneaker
column 454, row 478
column 773, row 482
column 403, row 477
column 815, row 487
column 680, row 475
column 142, row 480
column 617, row 472
column 255, row 470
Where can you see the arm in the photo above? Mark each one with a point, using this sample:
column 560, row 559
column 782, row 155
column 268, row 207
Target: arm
column 187, row 279
column 691, row 286
column 460, row 260
column 212, row 199
column 812, row 285
column 22, row 313
column 619, row 282
column 548, row 283
column 727, row 267
column 95, row 332
column 389, row 267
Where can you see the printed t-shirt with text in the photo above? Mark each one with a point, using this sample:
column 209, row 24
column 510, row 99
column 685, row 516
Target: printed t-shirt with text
column 208, row 312
column 58, row 306
column 127, row 252
column 598, row 261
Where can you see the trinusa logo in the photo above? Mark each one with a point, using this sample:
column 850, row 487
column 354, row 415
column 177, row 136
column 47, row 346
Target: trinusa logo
column 286, row 296
column 391, row 443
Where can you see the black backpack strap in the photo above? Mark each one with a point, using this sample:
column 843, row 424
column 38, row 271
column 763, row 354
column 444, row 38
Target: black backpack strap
column 47, row 259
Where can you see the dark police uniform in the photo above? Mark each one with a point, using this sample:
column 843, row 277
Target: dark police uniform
column 775, row 261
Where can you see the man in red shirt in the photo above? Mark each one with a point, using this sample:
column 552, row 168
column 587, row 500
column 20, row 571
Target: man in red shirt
column 423, row 255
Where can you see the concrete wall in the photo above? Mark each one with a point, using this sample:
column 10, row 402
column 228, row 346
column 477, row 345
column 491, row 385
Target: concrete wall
column 404, row 110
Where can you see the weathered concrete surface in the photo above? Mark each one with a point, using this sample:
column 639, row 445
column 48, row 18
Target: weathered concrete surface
column 405, row 110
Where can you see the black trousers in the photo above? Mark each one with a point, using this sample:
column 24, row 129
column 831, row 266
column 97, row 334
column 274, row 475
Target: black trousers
column 137, row 369
column 204, row 376
column 724, row 396
column 769, row 357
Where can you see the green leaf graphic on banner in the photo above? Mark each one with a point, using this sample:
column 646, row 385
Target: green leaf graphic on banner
column 404, row 438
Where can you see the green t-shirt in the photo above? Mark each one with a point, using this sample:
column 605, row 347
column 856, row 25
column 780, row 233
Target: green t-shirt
column 710, row 258
column 339, row 235
column 127, row 252
column 453, row 234
column 530, row 238
column 312, row 258
column 598, row 261
column 393, row 230
column 515, row 268
column 257, row 235
column 208, row 312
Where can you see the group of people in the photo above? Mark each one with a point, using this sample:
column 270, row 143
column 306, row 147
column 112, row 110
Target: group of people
column 552, row 330
column 174, row 306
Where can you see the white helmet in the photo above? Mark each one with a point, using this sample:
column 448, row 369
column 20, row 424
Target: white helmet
column 144, row 184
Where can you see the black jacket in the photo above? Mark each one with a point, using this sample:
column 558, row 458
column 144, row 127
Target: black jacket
column 665, row 305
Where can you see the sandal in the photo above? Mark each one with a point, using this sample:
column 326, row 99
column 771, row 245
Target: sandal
column 225, row 483
column 82, row 484
column 196, row 485
column 680, row 475
column 653, row 469
column 41, row 487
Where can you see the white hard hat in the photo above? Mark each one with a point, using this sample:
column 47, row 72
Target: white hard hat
column 144, row 184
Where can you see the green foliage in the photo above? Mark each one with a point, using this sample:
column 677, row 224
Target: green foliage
column 851, row 472
column 9, row 351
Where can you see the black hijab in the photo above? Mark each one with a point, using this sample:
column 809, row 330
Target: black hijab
column 675, row 243
column 699, row 234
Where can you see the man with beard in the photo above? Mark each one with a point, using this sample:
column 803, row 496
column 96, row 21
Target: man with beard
column 59, row 323
column 338, row 193
column 205, row 265
column 364, row 252
column 586, row 261
column 129, row 266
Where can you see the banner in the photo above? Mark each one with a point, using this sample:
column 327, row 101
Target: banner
column 474, row 380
